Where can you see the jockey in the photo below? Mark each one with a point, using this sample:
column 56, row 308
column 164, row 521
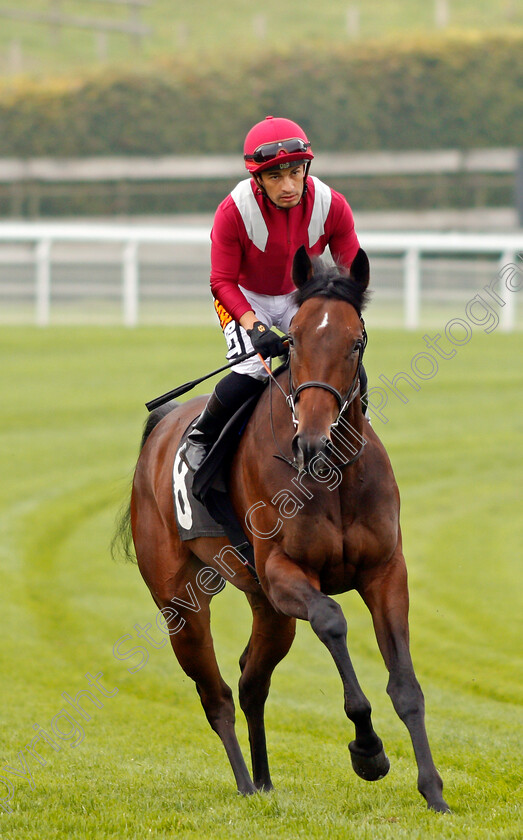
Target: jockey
column 256, row 232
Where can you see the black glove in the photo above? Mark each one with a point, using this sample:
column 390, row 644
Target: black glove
column 265, row 341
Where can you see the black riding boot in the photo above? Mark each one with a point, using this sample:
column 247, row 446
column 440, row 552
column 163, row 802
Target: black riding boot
column 230, row 393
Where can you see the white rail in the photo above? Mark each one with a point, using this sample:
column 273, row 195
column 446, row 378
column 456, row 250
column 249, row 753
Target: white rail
column 412, row 246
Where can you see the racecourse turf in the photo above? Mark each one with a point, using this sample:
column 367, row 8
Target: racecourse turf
column 146, row 764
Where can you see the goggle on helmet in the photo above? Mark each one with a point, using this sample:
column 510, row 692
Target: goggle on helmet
column 275, row 142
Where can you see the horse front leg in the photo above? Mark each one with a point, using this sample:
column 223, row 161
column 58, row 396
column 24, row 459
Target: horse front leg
column 292, row 592
column 271, row 638
column 386, row 595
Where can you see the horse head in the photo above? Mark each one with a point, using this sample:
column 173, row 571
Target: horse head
column 326, row 338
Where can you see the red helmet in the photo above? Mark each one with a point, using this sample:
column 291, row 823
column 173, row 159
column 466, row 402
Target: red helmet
column 275, row 142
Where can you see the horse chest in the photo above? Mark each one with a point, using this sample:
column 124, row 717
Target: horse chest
column 370, row 539
column 314, row 540
column 335, row 534
column 369, row 516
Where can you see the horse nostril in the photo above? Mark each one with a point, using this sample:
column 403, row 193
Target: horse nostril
column 307, row 450
column 297, row 452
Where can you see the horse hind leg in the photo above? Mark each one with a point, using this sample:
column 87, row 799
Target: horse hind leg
column 271, row 638
column 194, row 650
column 170, row 570
column 387, row 600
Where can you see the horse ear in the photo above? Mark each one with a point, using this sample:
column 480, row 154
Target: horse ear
column 360, row 270
column 301, row 267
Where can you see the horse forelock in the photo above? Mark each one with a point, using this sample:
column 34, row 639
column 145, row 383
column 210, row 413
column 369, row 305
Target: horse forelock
column 333, row 282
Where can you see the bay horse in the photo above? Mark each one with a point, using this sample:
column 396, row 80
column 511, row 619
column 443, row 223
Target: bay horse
column 320, row 523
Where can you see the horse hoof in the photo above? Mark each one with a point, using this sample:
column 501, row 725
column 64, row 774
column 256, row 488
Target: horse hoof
column 440, row 807
column 371, row 768
column 247, row 790
column 264, row 787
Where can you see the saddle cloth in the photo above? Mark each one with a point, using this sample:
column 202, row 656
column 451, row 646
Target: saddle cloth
column 201, row 502
column 192, row 518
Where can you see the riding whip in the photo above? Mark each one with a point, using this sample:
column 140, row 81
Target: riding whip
column 182, row 389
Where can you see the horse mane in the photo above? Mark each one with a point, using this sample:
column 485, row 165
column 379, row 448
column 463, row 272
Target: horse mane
column 333, row 281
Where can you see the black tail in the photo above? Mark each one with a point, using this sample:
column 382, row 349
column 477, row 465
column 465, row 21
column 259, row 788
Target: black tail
column 155, row 417
column 122, row 542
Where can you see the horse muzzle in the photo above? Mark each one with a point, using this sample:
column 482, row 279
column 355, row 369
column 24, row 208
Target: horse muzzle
column 310, row 452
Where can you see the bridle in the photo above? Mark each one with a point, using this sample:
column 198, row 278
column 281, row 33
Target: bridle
column 343, row 400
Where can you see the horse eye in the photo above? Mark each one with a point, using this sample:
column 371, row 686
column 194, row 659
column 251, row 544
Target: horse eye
column 290, row 340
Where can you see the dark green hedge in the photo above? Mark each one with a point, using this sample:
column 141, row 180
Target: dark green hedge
column 427, row 192
column 452, row 92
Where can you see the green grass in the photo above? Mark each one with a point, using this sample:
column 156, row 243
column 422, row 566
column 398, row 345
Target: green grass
column 148, row 764
column 205, row 29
